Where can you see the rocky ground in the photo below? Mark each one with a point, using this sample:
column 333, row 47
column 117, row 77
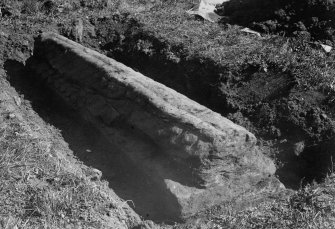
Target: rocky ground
column 281, row 88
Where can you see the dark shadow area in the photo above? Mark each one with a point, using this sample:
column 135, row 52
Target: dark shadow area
column 319, row 160
column 291, row 171
column 289, row 17
column 88, row 144
column 313, row 164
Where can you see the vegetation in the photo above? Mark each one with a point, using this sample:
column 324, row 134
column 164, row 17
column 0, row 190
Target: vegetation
column 236, row 51
column 40, row 188
column 310, row 207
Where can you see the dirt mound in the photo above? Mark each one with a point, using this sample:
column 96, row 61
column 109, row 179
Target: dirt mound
column 284, row 16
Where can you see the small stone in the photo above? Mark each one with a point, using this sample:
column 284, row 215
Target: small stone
column 95, row 174
column 25, row 43
column 11, row 116
column 17, row 100
column 299, row 147
column 283, row 140
column 324, row 116
column 326, row 48
column 4, row 34
column 249, row 31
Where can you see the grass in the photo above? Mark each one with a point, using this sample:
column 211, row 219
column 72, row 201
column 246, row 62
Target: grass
column 40, row 188
column 227, row 46
column 166, row 30
column 42, row 184
column 310, row 207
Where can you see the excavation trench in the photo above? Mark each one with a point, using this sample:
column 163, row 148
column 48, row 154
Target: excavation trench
column 166, row 155
column 268, row 104
column 92, row 147
column 247, row 102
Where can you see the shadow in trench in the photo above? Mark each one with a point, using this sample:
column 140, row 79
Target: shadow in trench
column 319, row 159
column 92, row 147
column 312, row 165
column 248, row 11
column 291, row 172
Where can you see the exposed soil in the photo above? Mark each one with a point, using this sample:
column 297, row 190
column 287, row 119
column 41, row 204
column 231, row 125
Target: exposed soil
column 314, row 19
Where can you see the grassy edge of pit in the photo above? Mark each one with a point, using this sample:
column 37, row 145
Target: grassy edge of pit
column 43, row 184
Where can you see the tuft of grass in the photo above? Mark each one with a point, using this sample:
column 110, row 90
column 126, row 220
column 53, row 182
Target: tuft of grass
column 99, row 4
column 30, row 6
column 40, row 186
column 310, row 207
